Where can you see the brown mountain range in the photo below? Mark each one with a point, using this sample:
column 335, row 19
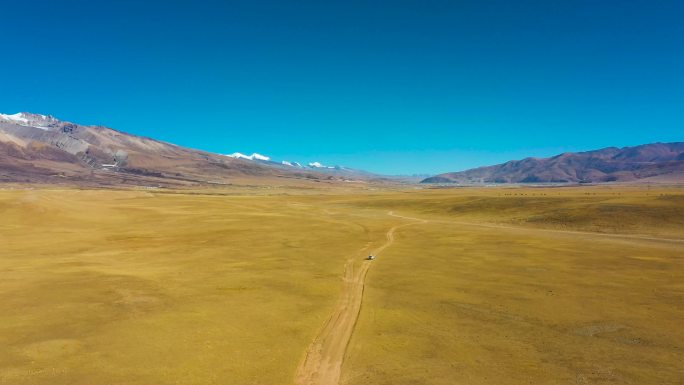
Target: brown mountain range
column 657, row 161
column 39, row 148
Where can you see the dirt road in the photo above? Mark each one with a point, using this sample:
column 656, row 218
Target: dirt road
column 323, row 362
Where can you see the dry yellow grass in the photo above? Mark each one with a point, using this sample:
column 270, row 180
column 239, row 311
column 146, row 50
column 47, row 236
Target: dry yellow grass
column 107, row 287
column 465, row 300
column 232, row 286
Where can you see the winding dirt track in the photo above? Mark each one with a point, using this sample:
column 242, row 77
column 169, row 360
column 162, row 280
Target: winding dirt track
column 322, row 364
column 323, row 361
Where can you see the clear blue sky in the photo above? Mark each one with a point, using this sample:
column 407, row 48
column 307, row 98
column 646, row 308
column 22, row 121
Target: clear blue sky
column 394, row 87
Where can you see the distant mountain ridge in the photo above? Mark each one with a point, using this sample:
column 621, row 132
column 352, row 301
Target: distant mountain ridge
column 254, row 156
column 611, row 164
column 41, row 148
column 337, row 171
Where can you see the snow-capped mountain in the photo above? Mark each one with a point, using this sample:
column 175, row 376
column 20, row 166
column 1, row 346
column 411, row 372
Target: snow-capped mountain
column 40, row 148
column 318, row 165
column 309, row 165
column 263, row 158
column 335, row 171
column 291, row 164
column 44, row 122
column 254, row 156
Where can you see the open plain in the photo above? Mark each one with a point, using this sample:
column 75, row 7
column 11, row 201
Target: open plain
column 553, row 285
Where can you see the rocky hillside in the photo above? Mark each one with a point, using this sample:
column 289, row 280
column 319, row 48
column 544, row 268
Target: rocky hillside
column 39, row 148
column 664, row 161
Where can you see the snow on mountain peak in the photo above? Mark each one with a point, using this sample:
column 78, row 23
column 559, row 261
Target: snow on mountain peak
column 292, row 164
column 259, row 157
column 29, row 120
column 254, row 156
column 18, row 117
column 318, row 165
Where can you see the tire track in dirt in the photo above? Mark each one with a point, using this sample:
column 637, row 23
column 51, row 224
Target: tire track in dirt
column 323, row 361
column 322, row 364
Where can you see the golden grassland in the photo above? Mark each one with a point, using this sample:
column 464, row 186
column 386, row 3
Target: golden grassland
column 604, row 209
column 103, row 287
column 501, row 285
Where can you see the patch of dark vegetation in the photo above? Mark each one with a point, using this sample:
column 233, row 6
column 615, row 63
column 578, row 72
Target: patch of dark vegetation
column 143, row 172
column 531, row 179
column 678, row 199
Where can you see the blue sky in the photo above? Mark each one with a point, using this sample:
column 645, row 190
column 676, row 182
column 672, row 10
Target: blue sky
column 397, row 87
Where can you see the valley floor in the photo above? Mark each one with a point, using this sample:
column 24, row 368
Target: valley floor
column 470, row 286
